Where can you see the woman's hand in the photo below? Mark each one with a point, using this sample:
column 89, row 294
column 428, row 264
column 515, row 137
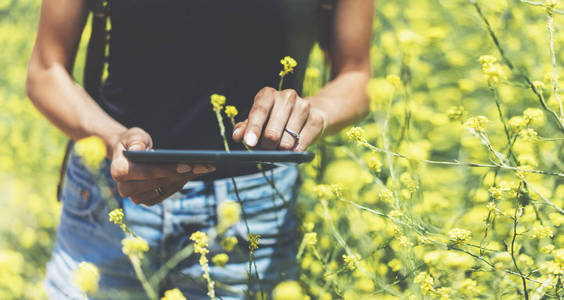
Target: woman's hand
column 271, row 113
column 146, row 183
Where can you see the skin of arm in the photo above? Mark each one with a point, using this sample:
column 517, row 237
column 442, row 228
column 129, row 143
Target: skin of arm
column 49, row 84
column 340, row 103
column 66, row 104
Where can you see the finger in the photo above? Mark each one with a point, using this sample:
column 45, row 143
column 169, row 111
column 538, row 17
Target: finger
column 200, row 169
column 124, row 170
column 137, row 139
column 152, row 197
column 134, row 187
column 312, row 128
column 257, row 116
column 238, row 130
column 295, row 123
column 283, row 105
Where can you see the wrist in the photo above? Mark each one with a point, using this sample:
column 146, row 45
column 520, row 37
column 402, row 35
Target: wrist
column 109, row 133
column 318, row 107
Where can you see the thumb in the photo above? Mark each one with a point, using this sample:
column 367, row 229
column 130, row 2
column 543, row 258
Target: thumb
column 137, row 139
column 137, row 145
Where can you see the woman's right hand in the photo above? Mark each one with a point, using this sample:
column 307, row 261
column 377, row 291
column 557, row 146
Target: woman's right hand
column 140, row 182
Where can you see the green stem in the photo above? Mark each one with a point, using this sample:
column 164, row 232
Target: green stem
column 507, row 134
column 172, row 263
column 226, row 145
column 221, row 128
column 515, row 220
column 281, row 83
column 141, row 276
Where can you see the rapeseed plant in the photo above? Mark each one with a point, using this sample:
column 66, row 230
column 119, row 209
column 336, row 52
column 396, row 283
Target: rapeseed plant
column 86, row 277
column 499, row 180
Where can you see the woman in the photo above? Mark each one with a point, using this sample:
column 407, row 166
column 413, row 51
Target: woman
column 166, row 59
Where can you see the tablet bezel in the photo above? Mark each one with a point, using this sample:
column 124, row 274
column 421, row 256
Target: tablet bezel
column 218, row 156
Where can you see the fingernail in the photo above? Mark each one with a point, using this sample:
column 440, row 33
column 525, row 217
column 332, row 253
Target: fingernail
column 136, row 146
column 199, row 169
column 183, row 168
column 235, row 132
column 250, row 139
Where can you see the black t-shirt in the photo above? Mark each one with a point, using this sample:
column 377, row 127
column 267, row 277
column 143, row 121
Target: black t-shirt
column 168, row 56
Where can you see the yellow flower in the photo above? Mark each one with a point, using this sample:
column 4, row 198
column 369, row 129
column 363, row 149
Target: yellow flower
column 174, row 294
column 229, row 214
column 253, row 241
column 323, row 191
column 476, row 123
column 409, row 182
column 337, row 190
column 385, row 195
column 517, row 123
column 116, row 216
column 493, row 73
column 217, row 101
column 539, row 85
column 404, row 241
column 547, row 249
column 220, row 260
column 374, row 164
column 289, row 65
column 231, row 111
column 134, row 247
column 486, row 60
column 357, row 135
column 455, row 113
column 395, row 264
column 394, row 80
column 496, row 193
column 86, row 277
column 425, row 282
column 200, row 242
column 310, row 238
column 228, row 243
column 200, row 246
column 534, row 115
column 92, row 151
column 492, row 208
column 528, row 134
column 308, row 226
column 444, row 292
column 288, row 290
column 553, row 268
column 351, row 261
column 459, row 236
column 540, row 231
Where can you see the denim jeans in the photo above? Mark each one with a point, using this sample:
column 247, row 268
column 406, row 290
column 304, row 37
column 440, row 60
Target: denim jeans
column 85, row 234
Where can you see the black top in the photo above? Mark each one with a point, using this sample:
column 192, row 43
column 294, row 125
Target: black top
column 168, row 56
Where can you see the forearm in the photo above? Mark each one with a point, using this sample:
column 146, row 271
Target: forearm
column 68, row 106
column 343, row 100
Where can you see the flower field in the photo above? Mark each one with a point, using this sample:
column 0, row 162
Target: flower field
column 451, row 188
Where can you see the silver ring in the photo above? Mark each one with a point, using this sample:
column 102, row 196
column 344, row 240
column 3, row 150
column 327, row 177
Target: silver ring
column 160, row 191
column 290, row 132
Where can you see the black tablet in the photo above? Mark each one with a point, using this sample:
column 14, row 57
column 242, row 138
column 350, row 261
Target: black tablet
column 217, row 157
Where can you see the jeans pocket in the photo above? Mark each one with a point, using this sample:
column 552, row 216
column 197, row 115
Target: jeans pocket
column 81, row 195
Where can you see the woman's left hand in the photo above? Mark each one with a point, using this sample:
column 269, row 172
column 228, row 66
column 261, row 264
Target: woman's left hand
column 271, row 113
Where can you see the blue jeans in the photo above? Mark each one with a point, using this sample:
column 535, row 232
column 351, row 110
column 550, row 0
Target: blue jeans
column 85, row 234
